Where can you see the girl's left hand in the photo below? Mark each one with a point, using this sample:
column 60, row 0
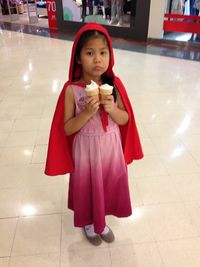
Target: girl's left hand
column 108, row 103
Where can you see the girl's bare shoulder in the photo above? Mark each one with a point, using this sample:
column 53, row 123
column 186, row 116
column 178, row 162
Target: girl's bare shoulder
column 69, row 92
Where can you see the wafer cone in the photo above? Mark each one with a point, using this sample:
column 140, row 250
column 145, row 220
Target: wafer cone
column 92, row 89
column 105, row 90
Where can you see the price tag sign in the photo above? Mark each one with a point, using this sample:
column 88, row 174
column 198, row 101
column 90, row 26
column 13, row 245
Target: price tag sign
column 51, row 11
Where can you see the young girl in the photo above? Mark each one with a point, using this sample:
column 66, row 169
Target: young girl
column 93, row 138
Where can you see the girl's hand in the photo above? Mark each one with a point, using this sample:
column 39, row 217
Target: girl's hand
column 92, row 105
column 108, row 103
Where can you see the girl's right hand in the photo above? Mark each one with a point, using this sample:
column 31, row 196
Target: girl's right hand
column 92, row 105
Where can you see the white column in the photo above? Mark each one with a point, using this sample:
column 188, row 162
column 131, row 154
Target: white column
column 156, row 19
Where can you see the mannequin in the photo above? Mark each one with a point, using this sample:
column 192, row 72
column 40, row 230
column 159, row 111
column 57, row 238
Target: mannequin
column 184, row 3
column 83, row 9
column 197, row 6
column 177, row 7
column 174, row 6
column 98, row 3
column 116, row 12
column 4, row 7
column 107, row 5
column 90, row 5
column 197, row 11
column 192, row 8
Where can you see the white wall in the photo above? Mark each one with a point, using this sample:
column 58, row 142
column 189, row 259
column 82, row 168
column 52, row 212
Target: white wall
column 156, row 19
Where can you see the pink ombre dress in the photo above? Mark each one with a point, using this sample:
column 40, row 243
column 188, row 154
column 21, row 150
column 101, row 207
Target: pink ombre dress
column 99, row 184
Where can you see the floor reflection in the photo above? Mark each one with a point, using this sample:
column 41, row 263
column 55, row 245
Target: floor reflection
column 169, row 48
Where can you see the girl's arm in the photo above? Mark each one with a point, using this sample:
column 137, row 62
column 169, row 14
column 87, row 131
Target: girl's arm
column 72, row 123
column 116, row 112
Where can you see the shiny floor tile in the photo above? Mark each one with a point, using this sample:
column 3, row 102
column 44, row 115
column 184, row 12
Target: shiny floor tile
column 183, row 252
column 45, row 199
column 86, row 257
column 3, row 139
column 37, row 235
column 4, row 262
column 163, row 190
column 16, row 155
column 10, row 202
column 12, row 177
column 39, row 154
column 170, row 221
column 151, row 165
column 21, row 139
column 6, row 126
column 7, row 233
column 28, row 124
column 137, row 255
column 132, row 230
column 48, row 260
column 193, row 208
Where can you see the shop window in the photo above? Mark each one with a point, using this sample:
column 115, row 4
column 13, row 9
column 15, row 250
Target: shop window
column 119, row 13
column 182, row 16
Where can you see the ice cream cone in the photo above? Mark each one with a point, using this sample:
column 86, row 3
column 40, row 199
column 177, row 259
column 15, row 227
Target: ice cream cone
column 105, row 89
column 92, row 92
column 92, row 89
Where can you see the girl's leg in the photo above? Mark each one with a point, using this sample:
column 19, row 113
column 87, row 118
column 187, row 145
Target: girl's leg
column 113, row 12
column 194, row 36
column 83, row 9
column 90, row 230
column 197, row 38
column 103, row 11
column 90, row 4
column 192, row 9
column 95, row 8
column 119, row 11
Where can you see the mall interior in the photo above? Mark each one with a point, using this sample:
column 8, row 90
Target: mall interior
column 160, row 68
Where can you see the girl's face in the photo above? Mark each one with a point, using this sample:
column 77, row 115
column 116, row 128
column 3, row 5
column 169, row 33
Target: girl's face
column 94, row 58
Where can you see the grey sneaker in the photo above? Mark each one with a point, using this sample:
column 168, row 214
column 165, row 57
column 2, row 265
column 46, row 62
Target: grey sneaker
column 109, row 237
column 94, row 240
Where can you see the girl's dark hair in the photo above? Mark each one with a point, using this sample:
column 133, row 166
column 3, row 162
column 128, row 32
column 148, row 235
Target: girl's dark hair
column 82, row 41
column 92, row 34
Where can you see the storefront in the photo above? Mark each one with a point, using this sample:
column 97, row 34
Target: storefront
column 127, row 19
column 182, row 16
column 122, row 18
column 32, row 12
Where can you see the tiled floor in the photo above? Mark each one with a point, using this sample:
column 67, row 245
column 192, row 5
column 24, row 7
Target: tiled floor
column 36, row 228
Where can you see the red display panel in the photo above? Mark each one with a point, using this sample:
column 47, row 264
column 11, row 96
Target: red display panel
column 51, row 11
column 181, row 23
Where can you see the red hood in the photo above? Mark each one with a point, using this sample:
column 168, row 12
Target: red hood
column 75, row 71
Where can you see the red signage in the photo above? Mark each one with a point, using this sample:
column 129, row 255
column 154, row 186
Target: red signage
column 181, row 23
column 51, row 11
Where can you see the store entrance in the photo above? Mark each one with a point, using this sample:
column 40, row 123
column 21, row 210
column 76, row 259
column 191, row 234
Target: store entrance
column 28, row 12
column 126, row 19
column 182, row 20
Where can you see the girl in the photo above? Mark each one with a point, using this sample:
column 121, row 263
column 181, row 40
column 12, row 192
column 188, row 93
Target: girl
column 94, row 139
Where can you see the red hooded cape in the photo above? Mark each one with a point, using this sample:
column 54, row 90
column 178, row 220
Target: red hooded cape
column 59, row 158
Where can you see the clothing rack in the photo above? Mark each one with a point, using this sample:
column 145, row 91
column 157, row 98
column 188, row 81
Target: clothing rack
column 32, row 12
